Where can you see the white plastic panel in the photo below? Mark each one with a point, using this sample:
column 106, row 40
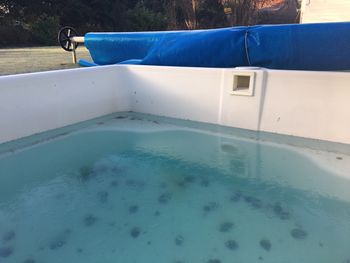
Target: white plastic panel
column 299, row 103
column 185, row 93
column 307, row 104
column 37, row 102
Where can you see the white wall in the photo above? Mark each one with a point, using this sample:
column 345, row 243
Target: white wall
column 314, row 11
column 299, row 103
column 305, row 104
column 191, row 93
column 201, row 94
column 36, row 102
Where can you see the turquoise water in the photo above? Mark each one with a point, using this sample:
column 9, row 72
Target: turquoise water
column 138, row 189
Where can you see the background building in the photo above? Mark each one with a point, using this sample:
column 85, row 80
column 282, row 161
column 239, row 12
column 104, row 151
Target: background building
column 314, row 11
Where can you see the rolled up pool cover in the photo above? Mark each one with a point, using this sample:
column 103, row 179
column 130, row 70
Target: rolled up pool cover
column 324, row 46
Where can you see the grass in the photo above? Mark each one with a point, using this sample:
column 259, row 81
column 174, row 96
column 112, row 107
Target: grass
column 25, row 60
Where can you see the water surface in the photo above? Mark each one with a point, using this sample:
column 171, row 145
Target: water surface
column 138, row 189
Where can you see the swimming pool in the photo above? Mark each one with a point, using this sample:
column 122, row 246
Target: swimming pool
column 132, row 187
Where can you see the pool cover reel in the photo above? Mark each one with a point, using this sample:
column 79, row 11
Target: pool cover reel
column 323, row 46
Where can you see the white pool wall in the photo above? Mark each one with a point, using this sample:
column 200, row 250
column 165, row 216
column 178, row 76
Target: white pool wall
column 37, row 102
column 299, row 103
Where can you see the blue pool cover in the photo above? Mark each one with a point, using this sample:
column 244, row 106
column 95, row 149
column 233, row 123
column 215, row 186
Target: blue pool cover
column 323, row 46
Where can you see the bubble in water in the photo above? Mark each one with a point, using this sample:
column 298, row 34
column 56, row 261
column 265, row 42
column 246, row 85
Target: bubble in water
column 265, row 244
column 29, row 260
column 226, row 226
column 190, row 179
column 285, row 215
column 231, row 244
column 120, row 117
column 280, row 212
column 8, row 236
column 86, row 173
column 256, row 203
column 103, row 197
column 90, row 220
column 236, row 197
column 114, row 183
column 5, row 252
column 156, row 213
column 135, row 232
column 164, row 198
column 57, row 243
column 163, row 185
column 228, row 148
column 204, row 183
column 212, row 206
column 133, row 209
column 179, row 240
column 298, row 233
column 138, row 185
column 248, row 199
column 277, row 208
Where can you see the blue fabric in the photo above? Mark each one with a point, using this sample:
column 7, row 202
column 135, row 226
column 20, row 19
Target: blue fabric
column 208, row 48
column 131, row 62
column 85, row 63
column 323, row 46
column 112, row 48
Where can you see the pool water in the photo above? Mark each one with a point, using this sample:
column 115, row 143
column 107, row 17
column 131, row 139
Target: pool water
column 136, row 188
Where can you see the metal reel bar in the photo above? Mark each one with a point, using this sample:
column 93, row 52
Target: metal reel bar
column 69, row 40
column 65, row 36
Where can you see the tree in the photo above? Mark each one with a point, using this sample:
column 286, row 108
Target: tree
column 242, row 12
column 195, row 14
column 189, row 10
column 36, row 20
column 141, row 18
column 211, row 14
column 181, row 14
column 45, row 29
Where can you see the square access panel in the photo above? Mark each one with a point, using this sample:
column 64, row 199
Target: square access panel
column 243, row 83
